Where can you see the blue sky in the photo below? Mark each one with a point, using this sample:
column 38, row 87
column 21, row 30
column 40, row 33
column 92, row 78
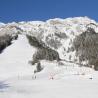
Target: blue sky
column 26, row 10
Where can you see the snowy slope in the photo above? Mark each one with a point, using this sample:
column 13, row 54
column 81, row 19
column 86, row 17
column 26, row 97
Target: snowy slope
column 14, row 59
column 17, row 77
column 72, row 88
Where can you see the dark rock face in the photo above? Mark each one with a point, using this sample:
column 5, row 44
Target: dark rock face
column 43, row 52
column 86, row 46
column 5, row 40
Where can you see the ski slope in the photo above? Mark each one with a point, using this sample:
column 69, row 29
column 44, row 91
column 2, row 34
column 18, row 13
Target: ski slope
column 54, row 81
column 14, row 59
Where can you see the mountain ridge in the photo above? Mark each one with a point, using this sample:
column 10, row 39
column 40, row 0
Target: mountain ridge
column 58, row 34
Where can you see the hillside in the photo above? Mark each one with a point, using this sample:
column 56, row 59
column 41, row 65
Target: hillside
column 56, row 58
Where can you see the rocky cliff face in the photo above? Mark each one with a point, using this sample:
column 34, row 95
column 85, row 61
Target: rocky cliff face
column 5, row 40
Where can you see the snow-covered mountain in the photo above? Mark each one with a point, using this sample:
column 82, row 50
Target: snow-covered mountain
column 58, row 34
column 33, row 53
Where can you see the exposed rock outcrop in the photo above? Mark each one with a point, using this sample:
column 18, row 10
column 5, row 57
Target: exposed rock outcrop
column 5, row 40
